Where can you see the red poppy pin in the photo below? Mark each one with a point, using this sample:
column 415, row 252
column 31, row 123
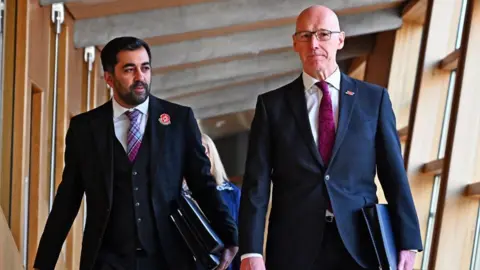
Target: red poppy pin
column 164, row 119
column 350, row 93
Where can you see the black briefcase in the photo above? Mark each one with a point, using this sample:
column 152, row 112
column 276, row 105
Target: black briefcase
column 379, row 225
column 193, row 225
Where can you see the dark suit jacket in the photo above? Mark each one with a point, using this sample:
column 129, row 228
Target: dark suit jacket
column 282, row 151
column 176, row 152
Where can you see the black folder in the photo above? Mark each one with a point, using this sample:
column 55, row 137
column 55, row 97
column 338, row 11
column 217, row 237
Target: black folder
column 379, row 225
column 195, row 229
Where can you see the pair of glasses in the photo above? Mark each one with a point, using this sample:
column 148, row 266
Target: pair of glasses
column 321, row 35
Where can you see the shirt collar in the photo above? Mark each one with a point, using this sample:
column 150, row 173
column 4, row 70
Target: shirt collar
column 118, row 110
column 333, row 80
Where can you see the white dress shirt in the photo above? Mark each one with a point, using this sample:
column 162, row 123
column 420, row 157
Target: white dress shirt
column 121, row 122
column 313, row 96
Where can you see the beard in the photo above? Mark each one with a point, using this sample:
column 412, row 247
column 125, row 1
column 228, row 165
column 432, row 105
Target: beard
column 128, row 94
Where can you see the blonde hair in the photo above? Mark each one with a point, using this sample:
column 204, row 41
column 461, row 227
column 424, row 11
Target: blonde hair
column 218, row 171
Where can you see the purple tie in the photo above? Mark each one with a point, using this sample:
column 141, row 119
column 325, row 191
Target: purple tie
column 326, row 127
column 134, row 137
column 326, row 123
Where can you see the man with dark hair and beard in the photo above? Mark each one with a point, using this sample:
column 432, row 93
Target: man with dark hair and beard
column 129, row 156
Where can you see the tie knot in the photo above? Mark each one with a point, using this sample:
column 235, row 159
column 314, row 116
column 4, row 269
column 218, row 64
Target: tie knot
column 133, row 115
column 323, row 86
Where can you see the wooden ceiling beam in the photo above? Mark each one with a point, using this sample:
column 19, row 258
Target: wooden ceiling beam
column 415, row 11
column 357, row 68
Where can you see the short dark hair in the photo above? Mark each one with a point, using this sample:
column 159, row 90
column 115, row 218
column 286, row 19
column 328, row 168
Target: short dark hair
column 116, row 45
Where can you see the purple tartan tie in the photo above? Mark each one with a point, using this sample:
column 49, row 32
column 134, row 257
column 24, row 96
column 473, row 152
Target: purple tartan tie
column 134, row 137
column 326, row 124
column 326, row 127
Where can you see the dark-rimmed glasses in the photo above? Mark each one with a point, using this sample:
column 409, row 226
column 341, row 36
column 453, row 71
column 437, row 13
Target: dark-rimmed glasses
column 321, row 35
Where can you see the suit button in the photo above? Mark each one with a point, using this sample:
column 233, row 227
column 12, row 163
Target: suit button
column 327, row 177
column 139, row 220
column 135, row 188
column 108, row 210
column 137, row 204
column 134, row 173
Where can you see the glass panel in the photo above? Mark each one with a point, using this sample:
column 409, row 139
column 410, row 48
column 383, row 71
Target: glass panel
column 475, row 262
column 460, row 25
column 431, row 221
column 446, row 116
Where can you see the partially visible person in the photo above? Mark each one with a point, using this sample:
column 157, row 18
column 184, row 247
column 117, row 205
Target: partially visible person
column 128, row 157
column 229, row 192
column 320, row 140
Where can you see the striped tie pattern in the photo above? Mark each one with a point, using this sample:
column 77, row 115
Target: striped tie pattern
column 134, row 137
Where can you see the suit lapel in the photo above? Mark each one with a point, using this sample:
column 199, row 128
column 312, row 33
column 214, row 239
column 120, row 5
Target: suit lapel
column 102, row 129
column 296, row 99
column 347, row 97
column 157, row 136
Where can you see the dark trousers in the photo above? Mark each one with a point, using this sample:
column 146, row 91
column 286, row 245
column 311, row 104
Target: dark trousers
column 333, row 254
column 140, row 260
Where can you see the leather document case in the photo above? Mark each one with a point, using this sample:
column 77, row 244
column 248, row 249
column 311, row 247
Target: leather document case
column 377, row 219
column 193, row 225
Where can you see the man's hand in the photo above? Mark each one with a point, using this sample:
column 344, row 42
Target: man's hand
column 227, row 257
column 252, row 263
column 406, row 260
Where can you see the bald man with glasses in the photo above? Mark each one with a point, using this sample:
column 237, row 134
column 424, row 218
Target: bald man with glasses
column 320, row 141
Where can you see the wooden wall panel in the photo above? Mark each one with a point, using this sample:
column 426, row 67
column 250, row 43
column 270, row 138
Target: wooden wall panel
column 456, row 213
column 75, row 80
column 74, row 100
column 39, row 189
column 40, row 87
column 428, row 103
column 33, row 94
column 103, row 94
column 379, row 61
column 9, row 256
column 21, row 124
column 40, row 45
column 62, row 125
column 357, row 68
column 403, row 70
column 9, row 42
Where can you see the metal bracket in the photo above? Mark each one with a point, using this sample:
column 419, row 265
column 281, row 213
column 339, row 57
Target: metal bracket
column 58, row 15
column 2, row 9
column 89, row 56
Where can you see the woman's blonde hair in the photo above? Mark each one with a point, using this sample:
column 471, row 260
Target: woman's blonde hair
column 218, row 171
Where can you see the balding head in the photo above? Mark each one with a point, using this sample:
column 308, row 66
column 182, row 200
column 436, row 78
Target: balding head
column 318, row 15
column 317, row 39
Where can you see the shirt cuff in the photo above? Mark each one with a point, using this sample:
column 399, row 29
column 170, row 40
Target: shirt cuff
column 250, row 255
